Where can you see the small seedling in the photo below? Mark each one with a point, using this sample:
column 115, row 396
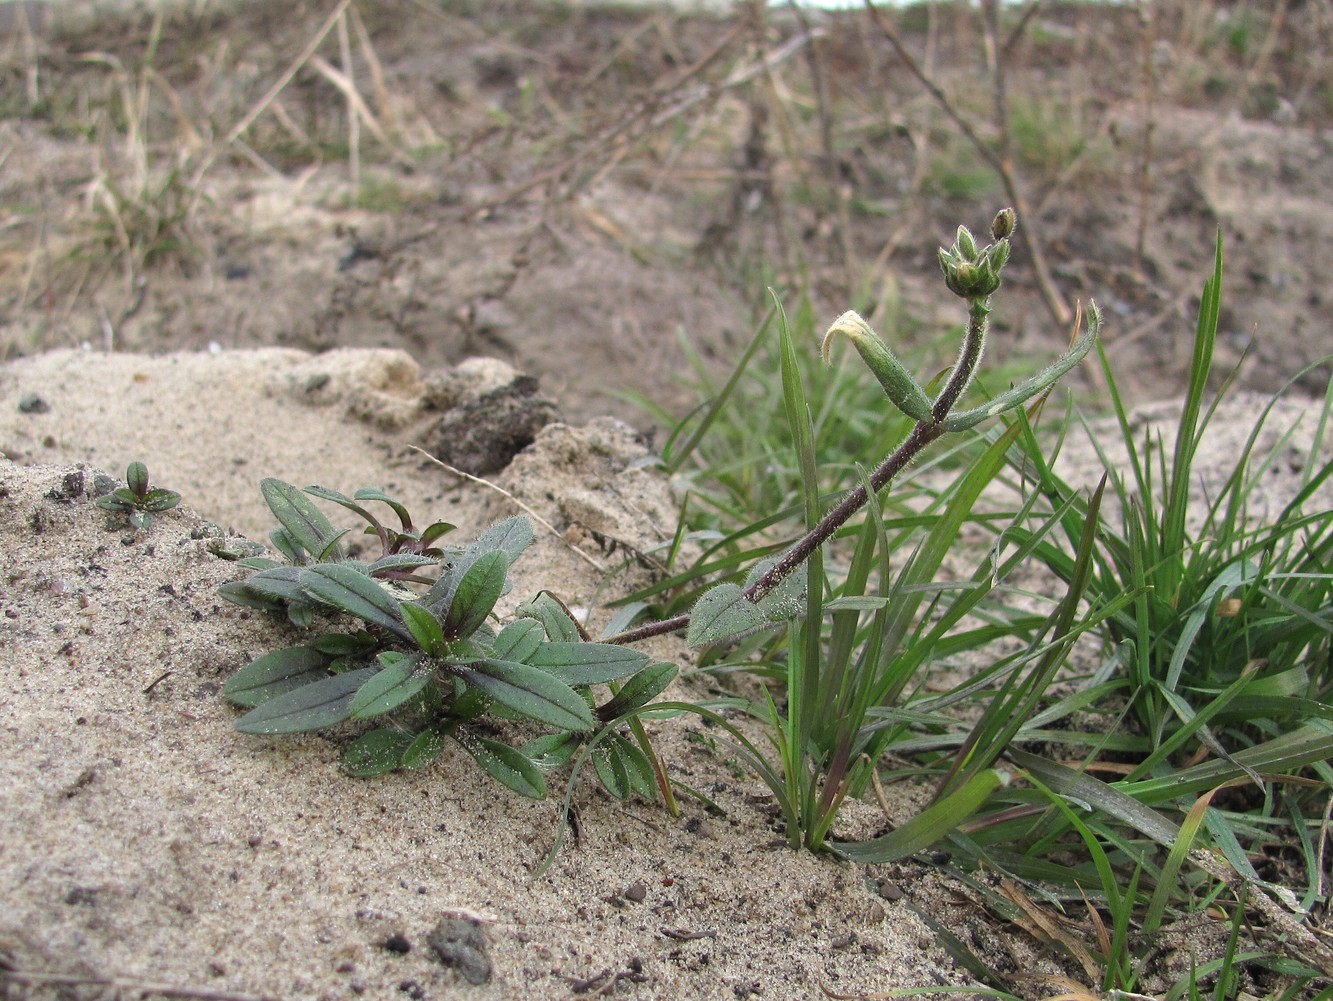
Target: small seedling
column 137, row 501
column 422, row 648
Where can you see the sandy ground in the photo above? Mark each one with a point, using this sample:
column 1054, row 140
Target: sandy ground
column 142, row 838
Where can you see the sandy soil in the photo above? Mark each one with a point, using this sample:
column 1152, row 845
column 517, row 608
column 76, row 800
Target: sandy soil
column 142, row 840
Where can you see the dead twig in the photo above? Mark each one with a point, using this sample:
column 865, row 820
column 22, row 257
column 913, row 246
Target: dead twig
column 1147, row 42
column 525, row 508
column 125, row 984
column 271, row 95
column 1001, row 163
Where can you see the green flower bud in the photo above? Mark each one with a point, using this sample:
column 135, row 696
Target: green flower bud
column 1004, row 225
column 966, row 244
column 898, row 384
column 998, row 255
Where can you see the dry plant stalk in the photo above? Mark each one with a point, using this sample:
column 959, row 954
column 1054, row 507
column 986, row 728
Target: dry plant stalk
column 1001, row 163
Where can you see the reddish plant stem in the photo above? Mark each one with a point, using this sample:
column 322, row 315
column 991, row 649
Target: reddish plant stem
column 920, row 436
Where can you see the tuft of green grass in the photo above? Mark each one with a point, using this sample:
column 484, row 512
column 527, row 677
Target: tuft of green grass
column 1149, row 744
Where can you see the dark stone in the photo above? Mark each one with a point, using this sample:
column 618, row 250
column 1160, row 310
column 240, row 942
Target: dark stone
column 483, row 436
column 636, row 892
column 33, row 404
column 69, row 488
column 397, row 943
column 461, row 944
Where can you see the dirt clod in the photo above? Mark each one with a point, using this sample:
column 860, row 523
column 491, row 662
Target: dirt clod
column 461, row 944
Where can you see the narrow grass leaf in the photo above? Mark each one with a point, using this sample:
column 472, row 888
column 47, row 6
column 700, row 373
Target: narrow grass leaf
column 928, row 827
column 1167, row 882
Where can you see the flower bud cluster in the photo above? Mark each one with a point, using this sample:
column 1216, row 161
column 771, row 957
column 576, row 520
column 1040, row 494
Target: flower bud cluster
column 975, row 273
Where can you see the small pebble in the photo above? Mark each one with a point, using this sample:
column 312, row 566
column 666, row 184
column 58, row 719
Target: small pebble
column 33, row 404
column 636, row 892
column 398, row 943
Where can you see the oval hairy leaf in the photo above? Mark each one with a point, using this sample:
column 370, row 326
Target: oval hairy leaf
column 476, row 594
column 281, row 583
column 721, row 613
column 316, row 705
column 549, row 751
column 511, row 537
column 553, row 616
column 239, row 592
column 587, row 663
column 507, row 765
column 424, row 749
column 350, row 590
column 425, row 627
column 304, row 523
column 529, row 691
column 376, row 753
column 401, row 561
column 519, row 640
column 623, row 768
column 639, row 690
column 398, row 681
column 276, row 673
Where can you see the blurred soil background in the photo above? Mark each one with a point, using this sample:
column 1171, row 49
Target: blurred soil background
column 576, row 189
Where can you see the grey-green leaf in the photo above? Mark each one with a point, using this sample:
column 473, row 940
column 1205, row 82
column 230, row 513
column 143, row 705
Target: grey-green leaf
column 587, row 663
column 507, row 765
column 476, row 594
column 553, row 617
column 311, row 707
column 623, row 768
column 398, row 681
column 239, row 592
column 401, row 561
column 519, row 640
column 424, row 749
column 511, row 537
column 1043, row 380
column 531, row 692
column 305, row 523
column 639, row 690
column 721, row 613
column 281, row 583
column 786, row 599
column 549, row 751
column 349, row 589
column 276, row 673
column 425, row 627
column 376, row 753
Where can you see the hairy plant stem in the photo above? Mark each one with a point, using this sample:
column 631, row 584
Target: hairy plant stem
column 916, row 441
